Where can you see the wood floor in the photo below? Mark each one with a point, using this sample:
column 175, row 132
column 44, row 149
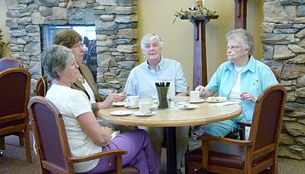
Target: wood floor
column 13, row 161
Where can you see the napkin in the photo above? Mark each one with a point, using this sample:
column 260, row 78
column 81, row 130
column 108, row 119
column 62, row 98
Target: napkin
column 114, row 134
column 226, row 103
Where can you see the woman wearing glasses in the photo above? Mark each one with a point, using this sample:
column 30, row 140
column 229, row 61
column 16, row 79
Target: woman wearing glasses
column 73, row 40
column 242, row 78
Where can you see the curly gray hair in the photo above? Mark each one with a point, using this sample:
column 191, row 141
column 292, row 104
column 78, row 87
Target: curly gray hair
column 245, row 37
column 55, row 59
column 147, row 38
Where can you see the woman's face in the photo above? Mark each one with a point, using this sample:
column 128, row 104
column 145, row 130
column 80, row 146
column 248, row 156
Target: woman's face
column 235, row 51
column 152, row 51
column 78, row 52
column 69, row 74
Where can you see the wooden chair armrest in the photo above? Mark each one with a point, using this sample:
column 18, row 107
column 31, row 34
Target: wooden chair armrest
column 244, row 123
column 242, row 130
column 208, row 138
column 97, row 156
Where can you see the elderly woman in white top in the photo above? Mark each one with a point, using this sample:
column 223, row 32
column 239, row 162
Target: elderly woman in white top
column 85, row 135
column 242, row 78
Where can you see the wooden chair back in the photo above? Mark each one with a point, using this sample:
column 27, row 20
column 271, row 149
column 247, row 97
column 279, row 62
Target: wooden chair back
column 50, row 136
column 277, row 75
column 41, row 86
column 14, row 94
column 7, row 62
column 267, row 117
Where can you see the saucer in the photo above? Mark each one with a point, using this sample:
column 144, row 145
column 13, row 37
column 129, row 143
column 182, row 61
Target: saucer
column 140, row 114
column 118, row 104
column 197, row 101
column 132, row 107
column 188, row 107
column 121, row 113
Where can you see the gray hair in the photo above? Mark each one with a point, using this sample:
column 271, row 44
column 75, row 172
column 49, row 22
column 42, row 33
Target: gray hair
column 245, row 37
column 55, row 59
column 147, row 38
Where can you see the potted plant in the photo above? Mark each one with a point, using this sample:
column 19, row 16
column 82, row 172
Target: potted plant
column 3, row 46
column 198, row 10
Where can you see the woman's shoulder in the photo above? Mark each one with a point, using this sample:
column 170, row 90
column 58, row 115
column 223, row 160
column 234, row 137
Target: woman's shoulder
column 64, row 91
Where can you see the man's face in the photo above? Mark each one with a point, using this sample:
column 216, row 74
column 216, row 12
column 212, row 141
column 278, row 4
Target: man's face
column 152, row 51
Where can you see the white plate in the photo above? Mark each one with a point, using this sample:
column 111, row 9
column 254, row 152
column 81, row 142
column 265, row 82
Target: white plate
column 216, row 99
column 197, row 101
column 118, row 103
column 121, row 113
column 188, row 107
column 138, row 113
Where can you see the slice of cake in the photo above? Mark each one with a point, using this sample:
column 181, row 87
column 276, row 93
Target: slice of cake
column 216, row 99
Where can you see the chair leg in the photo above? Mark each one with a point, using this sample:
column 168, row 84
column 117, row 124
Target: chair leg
column 28, row 145
column 21, row 141
column 2, row 143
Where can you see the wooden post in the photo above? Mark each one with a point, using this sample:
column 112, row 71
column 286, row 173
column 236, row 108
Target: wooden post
column 200, row 64
column 240, row 14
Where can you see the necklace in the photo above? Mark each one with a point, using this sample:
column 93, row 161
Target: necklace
column 238, row 70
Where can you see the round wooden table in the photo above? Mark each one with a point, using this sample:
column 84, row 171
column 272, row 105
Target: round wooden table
column 171, row 118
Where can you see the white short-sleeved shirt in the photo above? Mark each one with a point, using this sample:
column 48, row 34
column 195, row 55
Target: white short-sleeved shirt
column 71, row 103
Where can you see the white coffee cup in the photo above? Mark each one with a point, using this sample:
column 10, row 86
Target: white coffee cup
column 144, row 107
column 132, row 101
column 194, row 95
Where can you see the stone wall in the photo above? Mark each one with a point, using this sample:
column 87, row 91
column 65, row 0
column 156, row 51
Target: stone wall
column 116, row 32
column 284, row 49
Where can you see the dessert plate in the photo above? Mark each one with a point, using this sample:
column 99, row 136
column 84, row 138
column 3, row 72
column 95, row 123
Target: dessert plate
column 140, row 114
column 197, row 101
column 121, row 113
column 188, row 107
column 216, row 99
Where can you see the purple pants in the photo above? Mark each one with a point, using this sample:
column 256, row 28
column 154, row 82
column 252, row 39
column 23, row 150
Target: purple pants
column 140, row 153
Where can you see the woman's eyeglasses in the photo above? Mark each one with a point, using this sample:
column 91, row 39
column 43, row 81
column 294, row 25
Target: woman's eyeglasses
column 234, row 47
column 79, row 45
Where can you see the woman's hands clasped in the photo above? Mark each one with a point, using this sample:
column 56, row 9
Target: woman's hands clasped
column 247, row 96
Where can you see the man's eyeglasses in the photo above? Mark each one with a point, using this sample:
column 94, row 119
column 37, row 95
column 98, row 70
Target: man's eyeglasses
column 234, row 47
column 79, row 45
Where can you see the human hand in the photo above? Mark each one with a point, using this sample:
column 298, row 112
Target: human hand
column 247, row 96
column 202, row 90
column 114, row 97
column 107, row 133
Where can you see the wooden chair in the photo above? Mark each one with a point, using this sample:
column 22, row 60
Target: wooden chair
column 41, row 86
column 277, row 75
column 50, row 135
column 225, row 155
column 15, row 93
column 7, row 62
column 243, row 124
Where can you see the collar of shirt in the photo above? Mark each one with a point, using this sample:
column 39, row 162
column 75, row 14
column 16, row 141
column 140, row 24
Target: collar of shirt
column 250, row 66
column 159, row 66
